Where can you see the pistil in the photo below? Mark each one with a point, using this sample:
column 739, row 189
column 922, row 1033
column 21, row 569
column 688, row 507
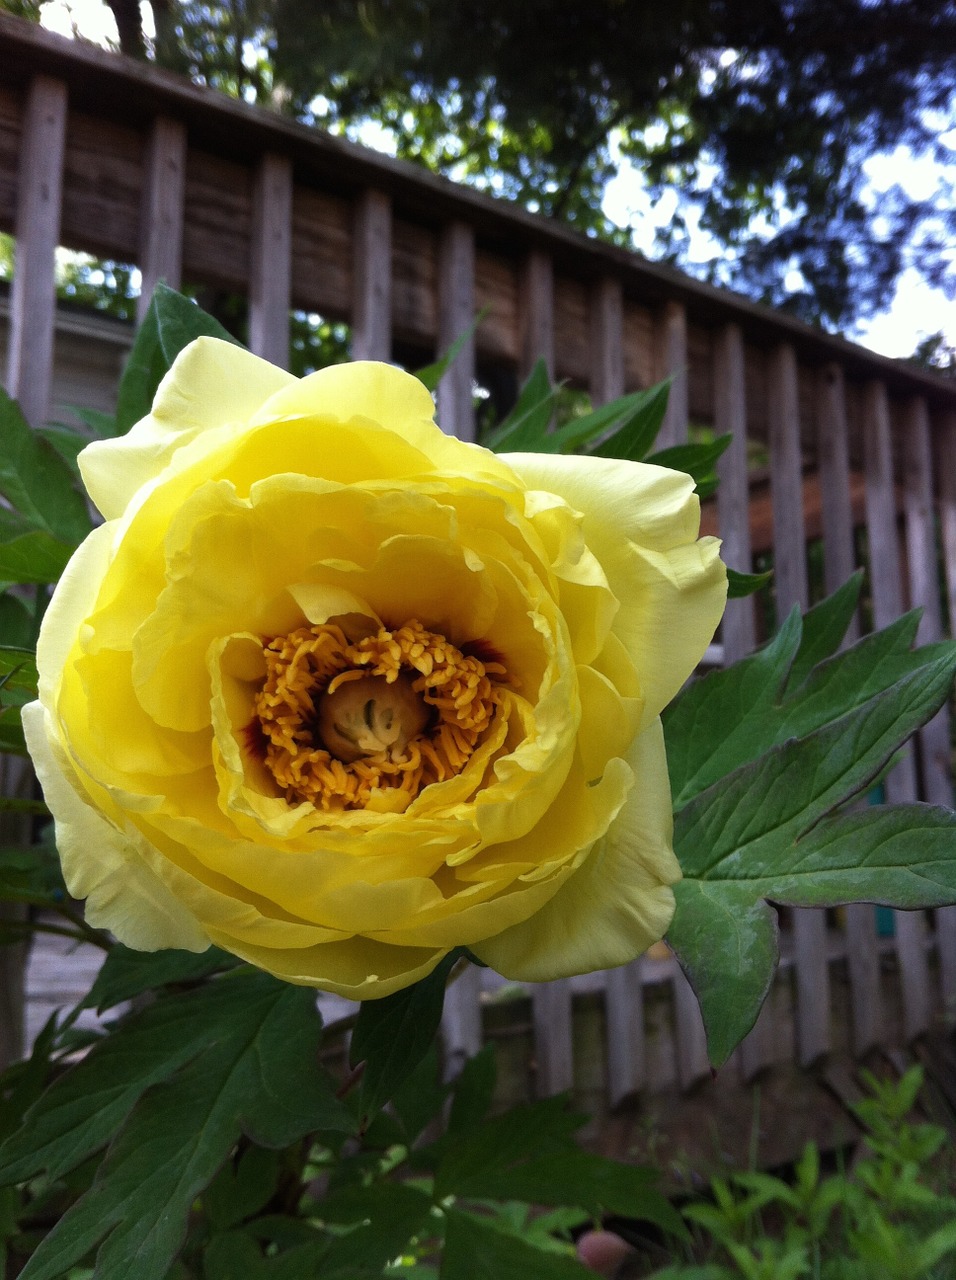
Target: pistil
column 368, row 723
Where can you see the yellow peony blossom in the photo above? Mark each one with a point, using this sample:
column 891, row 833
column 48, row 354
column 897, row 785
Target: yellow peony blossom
column 338, row 693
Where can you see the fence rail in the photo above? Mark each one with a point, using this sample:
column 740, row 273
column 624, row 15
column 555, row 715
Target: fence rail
column 127, row 162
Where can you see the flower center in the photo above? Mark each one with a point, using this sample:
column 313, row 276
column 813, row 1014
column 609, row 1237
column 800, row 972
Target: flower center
column 370, row 723
column 369, row 716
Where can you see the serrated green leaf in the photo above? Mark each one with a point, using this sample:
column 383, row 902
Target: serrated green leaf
column 759, row 834
column 384, row 1217
column 431, row 374
column 126, row 974
column 733, row 716
column 525, row 428
column 421, row 1095
column 242, row 1187
column 469, row 1158
column 171, row 323
column 36, row 480
column 254, row 1072
column 236, row 1255
column 824, row 627
column 392, row 1035
column 476, row 1250
column 474, row 1091
column 740, row 585
column 588, row 1182
column 35, row 557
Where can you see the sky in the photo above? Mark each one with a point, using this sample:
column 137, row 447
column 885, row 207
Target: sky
column 915, row 312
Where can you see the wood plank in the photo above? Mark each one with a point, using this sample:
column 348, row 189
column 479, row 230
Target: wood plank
column 863, row 963
column 626, row 1050
column 887, row 596
column 536, row 313
column 786, row 482
column 922, row 561
column 270, row 280
column 372, row 277
column 461, row 1029
column 33, row 296
column 607, row 341
column 945, row 439
column 733, row 493
column 162, row 211
column 640, row 342
column 572, row 331
column 103, row 183
column 791, row 584
column 672, row 362
column 553, row 1045
column 693, row 1065
column 415, row 292
column 738, row 631
column 456, row 312
column 833, row 461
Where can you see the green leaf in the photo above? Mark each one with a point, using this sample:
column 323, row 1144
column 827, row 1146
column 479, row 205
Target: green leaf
column 421, row 1095
column 733, row 716
column 384, row 1216
column 103, row 425
column 474, row 1091
column 432, row 374
column 636, row 424
column 824, row 627
column 760, row 835
column 526, row 427
column 126, row 974
column 31, row 875
column 740, row 585
column 476, row 1250
column 237, row 1055
column 16, row 621
column 697, row 460
column 589, row 1182
column 34, row 557
column 237, row 1255
column 392, row 1035
column 18, row 670
column 37, row 481
column 468, row 1159
column 242, row 1187
column 171, row 323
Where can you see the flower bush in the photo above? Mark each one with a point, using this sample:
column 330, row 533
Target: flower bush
column 340, row 693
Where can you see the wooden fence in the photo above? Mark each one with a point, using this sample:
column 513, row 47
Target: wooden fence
column 132, row 164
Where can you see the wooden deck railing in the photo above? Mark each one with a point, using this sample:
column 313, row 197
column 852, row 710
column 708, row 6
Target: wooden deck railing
column 121, row 160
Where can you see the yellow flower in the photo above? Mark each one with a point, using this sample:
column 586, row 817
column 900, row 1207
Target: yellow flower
column 338, row 692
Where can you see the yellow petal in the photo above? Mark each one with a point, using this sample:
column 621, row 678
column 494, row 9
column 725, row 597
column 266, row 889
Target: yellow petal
column 618, row 902
column 641, row 522
column 210, row 384
column 103, row 864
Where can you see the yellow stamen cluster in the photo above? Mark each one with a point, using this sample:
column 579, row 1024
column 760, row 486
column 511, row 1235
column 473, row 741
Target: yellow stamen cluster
column 459, row 692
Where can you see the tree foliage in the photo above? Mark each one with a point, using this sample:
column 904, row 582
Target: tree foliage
column 760, row 117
